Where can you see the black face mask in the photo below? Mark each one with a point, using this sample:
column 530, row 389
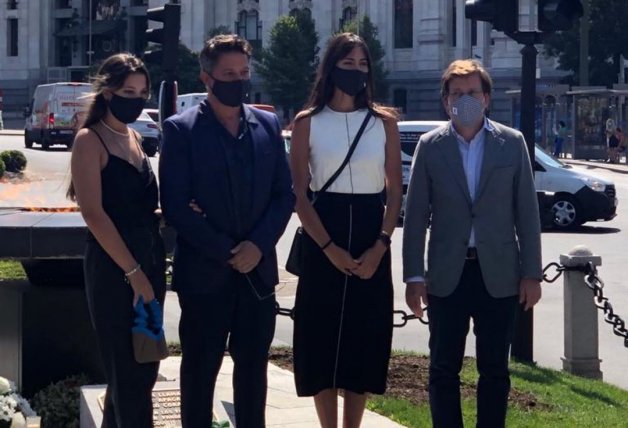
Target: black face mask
column 351, row 82
column 232, row 93
column 126, row 110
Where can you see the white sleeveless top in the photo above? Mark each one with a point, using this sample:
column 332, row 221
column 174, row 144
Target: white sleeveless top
column 331, row 135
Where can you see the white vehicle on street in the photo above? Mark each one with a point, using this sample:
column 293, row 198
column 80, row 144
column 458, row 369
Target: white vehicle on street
column 149, row 130
column 578, row 196
column 54, row 113
column 185, row 101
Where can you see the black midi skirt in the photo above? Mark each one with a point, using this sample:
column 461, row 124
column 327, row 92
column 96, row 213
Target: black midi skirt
column 343, row 324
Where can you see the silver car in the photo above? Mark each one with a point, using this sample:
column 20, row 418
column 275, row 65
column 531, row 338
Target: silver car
column 149, row 130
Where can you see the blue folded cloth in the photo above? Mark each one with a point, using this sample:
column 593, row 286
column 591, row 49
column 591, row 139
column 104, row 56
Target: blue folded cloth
column 148, row 318
column 149, row 341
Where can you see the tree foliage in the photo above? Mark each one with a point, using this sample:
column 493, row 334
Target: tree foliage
column 288, row 65
column 187, row 73
column 369, row 32
column 608, row 32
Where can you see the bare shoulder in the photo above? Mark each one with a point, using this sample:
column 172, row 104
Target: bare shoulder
column 303, row 116
column 302, row 123
column 390, row 125
column 87, row 145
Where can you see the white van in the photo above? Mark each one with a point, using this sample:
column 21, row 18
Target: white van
column 578, row 196
column 54, row 113
column 185, row 101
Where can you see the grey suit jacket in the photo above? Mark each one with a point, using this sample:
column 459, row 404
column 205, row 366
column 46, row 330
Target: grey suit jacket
column 505, row 213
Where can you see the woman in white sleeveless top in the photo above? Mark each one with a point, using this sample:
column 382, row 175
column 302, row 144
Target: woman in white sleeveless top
column 344, row 302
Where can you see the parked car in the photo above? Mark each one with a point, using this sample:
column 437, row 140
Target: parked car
column 579, row 196
column 154, row 114
column 572, row 195
column 149, row 130
column 54, row 113
column 185, row 101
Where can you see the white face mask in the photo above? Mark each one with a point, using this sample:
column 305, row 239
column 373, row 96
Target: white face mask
column 467, row 111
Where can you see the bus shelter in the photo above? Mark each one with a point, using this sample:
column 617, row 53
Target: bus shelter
column 551, row 106
column 595, row 113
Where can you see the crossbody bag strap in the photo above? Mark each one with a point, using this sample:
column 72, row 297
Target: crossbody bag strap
column 344, row 163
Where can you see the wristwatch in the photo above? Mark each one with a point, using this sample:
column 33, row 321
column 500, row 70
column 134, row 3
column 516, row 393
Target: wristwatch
column 385, row 238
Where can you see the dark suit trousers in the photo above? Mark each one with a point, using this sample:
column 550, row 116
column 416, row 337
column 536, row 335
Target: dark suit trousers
column 493, row 321
column 207, row 320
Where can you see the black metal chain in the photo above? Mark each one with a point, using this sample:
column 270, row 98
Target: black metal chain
column 405, row 317
column 593, row 281
column 559, row 271
column 596, row 285
column 284, row 311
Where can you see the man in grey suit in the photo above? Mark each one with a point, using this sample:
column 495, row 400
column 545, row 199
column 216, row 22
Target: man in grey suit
column 472, row 185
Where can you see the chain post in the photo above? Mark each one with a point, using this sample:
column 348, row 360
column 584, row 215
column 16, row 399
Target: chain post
column 581, row 341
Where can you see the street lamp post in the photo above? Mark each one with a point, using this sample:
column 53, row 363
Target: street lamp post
column 90, row 52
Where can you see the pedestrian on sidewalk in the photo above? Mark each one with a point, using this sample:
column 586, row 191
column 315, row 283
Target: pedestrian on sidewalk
column 613, row 144
column 561, row 135
column 472, row 183
column 621, row 145
column 229, row 158
column 116, row 190
column 344, row 302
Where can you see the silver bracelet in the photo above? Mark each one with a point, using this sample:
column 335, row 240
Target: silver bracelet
column 133, row 271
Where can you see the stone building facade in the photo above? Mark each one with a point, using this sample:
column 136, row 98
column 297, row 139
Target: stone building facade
column 53, row 40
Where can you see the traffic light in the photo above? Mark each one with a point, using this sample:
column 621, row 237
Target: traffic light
column 558, row 15
column 168, row 36
column 503, row 14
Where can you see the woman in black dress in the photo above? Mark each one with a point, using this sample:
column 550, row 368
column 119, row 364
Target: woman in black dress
column 344, row 302
column 116, row 190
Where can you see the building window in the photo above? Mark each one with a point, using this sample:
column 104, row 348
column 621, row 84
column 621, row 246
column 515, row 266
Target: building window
column 250, row 27
column 403, row 24
column 11, row 4
column 12, row 37
column 400, row 100
column 64, row 4
column 348, row 15
column 474, row 33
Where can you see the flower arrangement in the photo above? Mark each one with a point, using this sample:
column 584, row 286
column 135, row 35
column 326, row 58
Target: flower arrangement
column 13, row 407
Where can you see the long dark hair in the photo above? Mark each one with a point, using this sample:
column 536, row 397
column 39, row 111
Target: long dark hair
column 111, row 76
column 338, row 47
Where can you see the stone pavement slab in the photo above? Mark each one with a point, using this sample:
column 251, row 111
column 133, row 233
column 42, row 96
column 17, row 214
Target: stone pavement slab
column 283, row 408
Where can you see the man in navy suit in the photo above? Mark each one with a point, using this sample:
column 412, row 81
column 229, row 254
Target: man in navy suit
column 228, row 158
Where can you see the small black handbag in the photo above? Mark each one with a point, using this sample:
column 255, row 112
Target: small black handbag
column 294, row 263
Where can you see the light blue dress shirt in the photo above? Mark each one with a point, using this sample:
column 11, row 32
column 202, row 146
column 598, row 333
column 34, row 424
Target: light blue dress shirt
column 472, row 154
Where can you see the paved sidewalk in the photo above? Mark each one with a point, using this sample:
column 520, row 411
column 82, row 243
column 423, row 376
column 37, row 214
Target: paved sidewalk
column 615, row 167
column 283, row 409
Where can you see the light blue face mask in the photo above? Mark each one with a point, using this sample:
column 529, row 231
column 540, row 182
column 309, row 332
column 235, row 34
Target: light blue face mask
column 467, row 111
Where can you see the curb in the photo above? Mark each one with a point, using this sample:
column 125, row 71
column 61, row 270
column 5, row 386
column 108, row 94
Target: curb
column 610, row 167
column 17, row 132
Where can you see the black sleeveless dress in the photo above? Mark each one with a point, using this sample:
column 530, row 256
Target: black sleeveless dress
column 130, row 198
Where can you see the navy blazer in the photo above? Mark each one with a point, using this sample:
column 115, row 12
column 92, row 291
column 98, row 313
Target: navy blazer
column 193, row 165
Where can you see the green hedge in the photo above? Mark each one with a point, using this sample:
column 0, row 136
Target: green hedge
column 14, row 160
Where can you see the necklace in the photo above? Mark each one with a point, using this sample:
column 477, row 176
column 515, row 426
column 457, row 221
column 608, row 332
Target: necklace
column 122, row 134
